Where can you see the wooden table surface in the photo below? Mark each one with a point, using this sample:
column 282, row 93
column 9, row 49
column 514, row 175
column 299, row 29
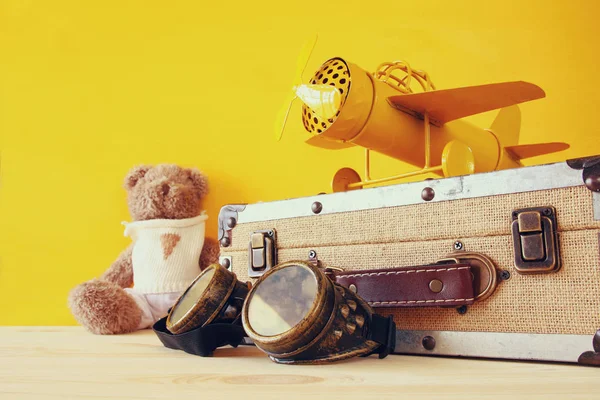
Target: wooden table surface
column 70, row 363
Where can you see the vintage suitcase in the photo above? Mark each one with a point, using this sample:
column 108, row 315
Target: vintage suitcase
column 529, row 236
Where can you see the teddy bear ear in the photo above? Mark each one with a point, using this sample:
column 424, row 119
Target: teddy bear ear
column 199, row 180
column 135, row 174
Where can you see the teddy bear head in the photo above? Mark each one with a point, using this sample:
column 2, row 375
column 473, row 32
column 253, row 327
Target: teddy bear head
column 165, row 191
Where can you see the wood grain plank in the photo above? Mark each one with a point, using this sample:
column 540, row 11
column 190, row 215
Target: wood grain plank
column 70, row 363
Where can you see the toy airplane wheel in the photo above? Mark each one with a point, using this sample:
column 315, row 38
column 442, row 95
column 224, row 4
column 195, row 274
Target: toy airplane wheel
column 343, row 178
column 457, row 159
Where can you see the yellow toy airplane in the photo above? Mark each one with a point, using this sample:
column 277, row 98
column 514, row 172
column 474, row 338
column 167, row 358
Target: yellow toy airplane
column 345, row 106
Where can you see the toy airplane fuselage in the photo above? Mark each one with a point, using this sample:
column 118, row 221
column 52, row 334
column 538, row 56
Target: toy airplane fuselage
column 375, row 115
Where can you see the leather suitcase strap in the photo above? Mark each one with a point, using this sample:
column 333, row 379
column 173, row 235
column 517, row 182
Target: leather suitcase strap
column 422, row 286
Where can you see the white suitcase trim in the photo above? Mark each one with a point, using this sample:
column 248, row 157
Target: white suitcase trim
column 521, row 346
column 525, row 179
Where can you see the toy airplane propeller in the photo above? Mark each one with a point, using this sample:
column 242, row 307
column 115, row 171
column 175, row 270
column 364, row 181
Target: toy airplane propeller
column 323, row 99
column 345, row 106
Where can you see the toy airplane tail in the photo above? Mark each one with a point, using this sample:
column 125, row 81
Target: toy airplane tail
column 506, row 127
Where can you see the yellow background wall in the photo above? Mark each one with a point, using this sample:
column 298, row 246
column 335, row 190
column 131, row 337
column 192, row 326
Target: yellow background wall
column 89, row 89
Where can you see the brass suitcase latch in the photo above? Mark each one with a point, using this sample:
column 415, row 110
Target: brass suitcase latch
column 535, row 239
column 262, row 252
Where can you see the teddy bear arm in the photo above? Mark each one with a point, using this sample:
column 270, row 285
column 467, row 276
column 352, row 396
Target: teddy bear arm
column 210, row 253
column 121, row 271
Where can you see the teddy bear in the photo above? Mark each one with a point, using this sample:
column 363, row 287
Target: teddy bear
column 168, row 251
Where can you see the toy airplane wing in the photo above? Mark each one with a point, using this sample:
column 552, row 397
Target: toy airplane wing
column 328, row 144
column 450, row 104
column 532, row 150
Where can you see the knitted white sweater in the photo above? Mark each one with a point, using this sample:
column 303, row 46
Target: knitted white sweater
column 166, row 253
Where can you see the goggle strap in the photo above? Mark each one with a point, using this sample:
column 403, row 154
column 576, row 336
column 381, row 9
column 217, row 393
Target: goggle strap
column 383, row 331
column 201, row 341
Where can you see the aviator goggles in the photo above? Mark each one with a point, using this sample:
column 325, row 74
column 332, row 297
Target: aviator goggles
column 295, row 313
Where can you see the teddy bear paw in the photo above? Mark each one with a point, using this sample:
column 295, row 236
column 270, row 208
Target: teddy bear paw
column 104, row 308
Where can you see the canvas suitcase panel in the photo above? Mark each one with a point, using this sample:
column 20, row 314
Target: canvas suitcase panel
column 547, row 312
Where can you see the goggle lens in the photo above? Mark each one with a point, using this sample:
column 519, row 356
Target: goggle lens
column 282, row 300
column 194, row 293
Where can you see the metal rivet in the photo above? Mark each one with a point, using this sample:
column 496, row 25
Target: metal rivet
column 592, row 182
column 505, row 275
column 428, row 343
column 231, row 222
column 316, row 207
column 225, row 241
column 350, row 327
column 312, row 254
column 436, row 286
column 458, row 245
column 353, row 288
column 352, row 304
column 462, row 310
column 360, row 320
column 428, row 194
column 226, row 263
column 345, row 310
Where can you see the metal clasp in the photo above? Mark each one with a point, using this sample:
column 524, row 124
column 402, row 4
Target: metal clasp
column 535, row 240
column 262, row 252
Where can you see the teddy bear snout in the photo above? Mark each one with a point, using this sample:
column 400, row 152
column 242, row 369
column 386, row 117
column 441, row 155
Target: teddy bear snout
column 173, row 189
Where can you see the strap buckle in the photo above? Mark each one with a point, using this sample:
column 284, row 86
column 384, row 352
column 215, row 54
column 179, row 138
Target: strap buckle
column 483, row 269
column 330, row 272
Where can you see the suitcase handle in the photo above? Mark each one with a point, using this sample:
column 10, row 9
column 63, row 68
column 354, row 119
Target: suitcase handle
column 457, row 280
